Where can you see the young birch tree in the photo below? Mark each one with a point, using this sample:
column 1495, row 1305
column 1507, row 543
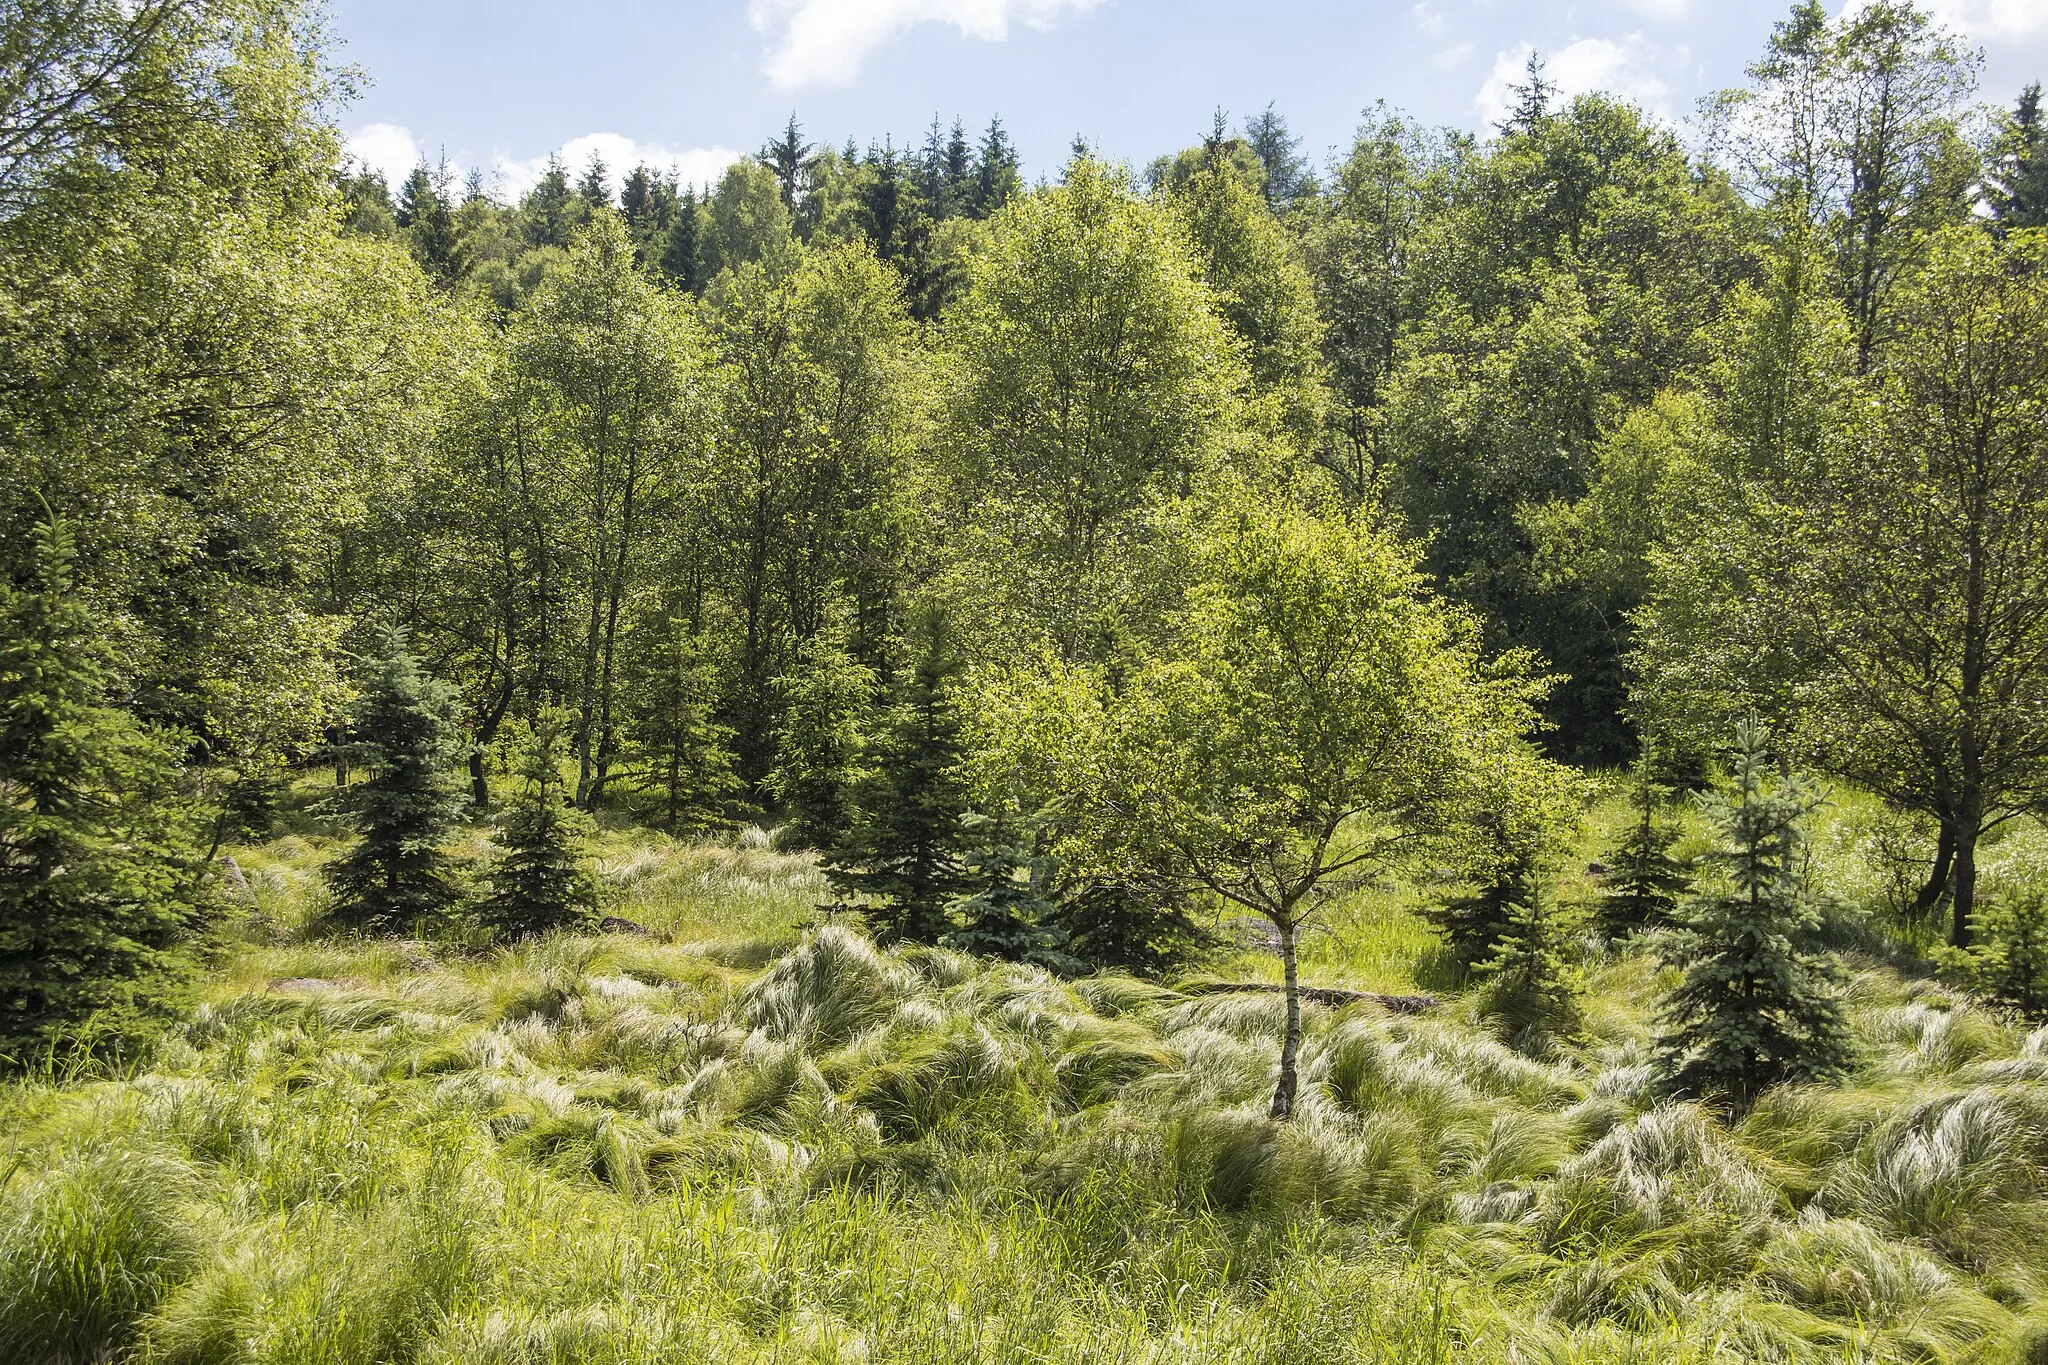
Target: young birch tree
column 1318, row 717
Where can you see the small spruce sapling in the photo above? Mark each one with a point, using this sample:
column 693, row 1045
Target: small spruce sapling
column 1475, row 921
column 684, row 750
column 1757, row 1004
column 1011, row 915
column 100, row 879
column 405, row 733
column 1643, row 887
column 2009, row 960
column 1528, row 984
column 826, row 702
column 542, row 881
column 1118, row 925
column 904, row 852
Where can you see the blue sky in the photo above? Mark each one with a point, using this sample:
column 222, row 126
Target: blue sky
column 501, row 84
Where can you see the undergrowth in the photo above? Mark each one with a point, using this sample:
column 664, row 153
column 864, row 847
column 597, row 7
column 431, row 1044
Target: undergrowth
column 751, row 1135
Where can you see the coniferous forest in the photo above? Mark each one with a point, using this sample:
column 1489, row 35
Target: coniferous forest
column 1439, row 755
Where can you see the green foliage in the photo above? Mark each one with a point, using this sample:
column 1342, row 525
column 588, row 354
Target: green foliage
column 826, row 704
column 1010, row 915
column 685, row 753
column 1528, row 982
column 2018, row 175
column 1756, row 1006
column 905, row 851
column 1116, row 925
column 405, row 734
column 100, row 882
column 1643, row 879
column 2009, row 961
column 541, row 880
column 90, row 1247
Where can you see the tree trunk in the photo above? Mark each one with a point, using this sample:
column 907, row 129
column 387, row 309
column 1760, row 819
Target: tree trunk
column 1969, row 824
column 1290, row 1046
column 1938, row 877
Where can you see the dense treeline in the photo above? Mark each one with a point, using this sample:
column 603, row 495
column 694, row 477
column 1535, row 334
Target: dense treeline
column 1063, row 561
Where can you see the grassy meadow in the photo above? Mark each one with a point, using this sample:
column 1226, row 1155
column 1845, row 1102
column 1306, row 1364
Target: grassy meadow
column 749, row 1135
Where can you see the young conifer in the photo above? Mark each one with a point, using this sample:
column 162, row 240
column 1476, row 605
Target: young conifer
column 1528, row 984
column 905, row 851
column 1010, row 915
column 1756, row 1005
column 99, row 877
column 685, row 750
column 1474, row 922
column 543, row 880
column 1645, row 881
column 1120, row 926
column 818, row 767
column 405, row 733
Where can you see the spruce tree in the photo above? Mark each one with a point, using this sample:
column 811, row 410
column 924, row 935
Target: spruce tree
column 2016, row 179
column 1010, row 915
column 1644, row 880
column 542, row 881
column 680, row 250
column 825, row 703
column 904, row 852
column 1119, row 926
column 685, row 753
column 996, row 178
column 100, row 881
column 1756, row 1005
column 1526, row 982
column 1474, row 922
column 405, row 733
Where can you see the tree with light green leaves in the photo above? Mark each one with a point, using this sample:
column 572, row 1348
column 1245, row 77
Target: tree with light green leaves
column 607, row 398
column 1879, row 583
column 1317, row 718
column 813, row 473
column 1095, row 384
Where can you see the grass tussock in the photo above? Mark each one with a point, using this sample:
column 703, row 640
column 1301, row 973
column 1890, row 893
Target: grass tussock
column 782, row 1143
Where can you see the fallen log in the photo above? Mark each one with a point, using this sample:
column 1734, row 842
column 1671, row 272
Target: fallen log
column 1317, row 995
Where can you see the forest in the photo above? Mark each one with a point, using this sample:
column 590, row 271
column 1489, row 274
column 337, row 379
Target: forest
column 903, row 757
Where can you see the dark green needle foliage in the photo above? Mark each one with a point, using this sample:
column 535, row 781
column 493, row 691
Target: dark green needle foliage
column 543, row 879
column 406, row 734
column 1757, row 1005
column 1644, row 880
column 1528, row 984
column 1119, row 926
column 905, row 852
column 1474, row 922
column 826, row 704
column 99, row 879
column 1010, row 915
column 2009, row 961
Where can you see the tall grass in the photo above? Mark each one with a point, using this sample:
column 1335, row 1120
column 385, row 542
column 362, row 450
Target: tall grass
column 741, row 1139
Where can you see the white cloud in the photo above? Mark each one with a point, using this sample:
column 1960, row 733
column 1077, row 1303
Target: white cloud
column 1660, row 9
column 1620, row 69
column 824, row 42
column 1454, row 56
column 693, row 166
column 386, row 148
column 1430, row 20
column 1989, row 20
